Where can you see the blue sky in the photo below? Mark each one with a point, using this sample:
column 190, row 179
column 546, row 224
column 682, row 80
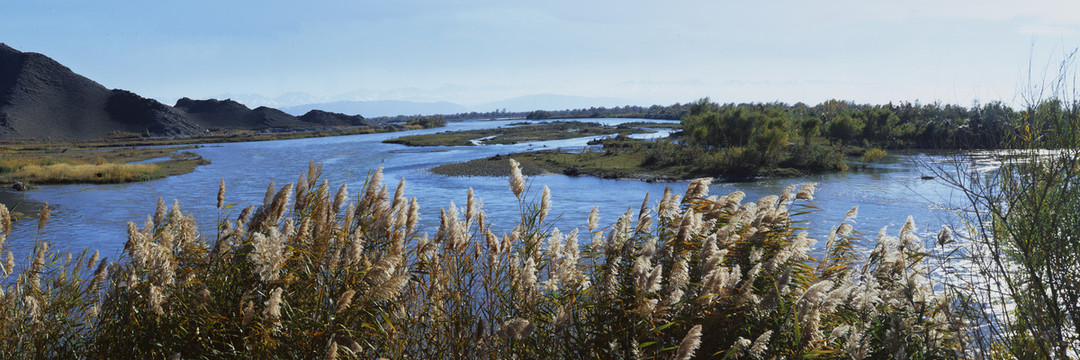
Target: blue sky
column 472, row 52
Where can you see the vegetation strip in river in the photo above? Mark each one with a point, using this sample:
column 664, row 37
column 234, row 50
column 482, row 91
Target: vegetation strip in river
column 557, row 130
column 625, row 158
column 54, row 164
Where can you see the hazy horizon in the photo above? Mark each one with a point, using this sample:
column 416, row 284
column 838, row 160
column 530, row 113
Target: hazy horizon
column 481, row 52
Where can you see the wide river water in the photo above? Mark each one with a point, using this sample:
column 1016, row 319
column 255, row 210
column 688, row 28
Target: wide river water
column 95, row 216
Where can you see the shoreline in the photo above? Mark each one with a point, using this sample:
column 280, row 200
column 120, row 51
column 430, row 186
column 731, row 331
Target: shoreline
column 38, row 152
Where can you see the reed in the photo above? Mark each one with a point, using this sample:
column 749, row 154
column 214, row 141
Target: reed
column 317, row 273
column 88, row 173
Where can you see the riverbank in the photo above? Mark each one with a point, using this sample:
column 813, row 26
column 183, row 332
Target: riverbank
column 117, row 159
column 546, row 162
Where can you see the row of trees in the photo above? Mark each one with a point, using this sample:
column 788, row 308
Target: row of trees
column 900, row 125
column 767, row 126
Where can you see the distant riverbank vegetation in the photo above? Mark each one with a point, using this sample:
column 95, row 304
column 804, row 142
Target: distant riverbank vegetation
column 426, row 122
column 740, row 141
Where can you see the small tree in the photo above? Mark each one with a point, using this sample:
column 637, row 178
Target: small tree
column 808, row 128
column 1023, row 230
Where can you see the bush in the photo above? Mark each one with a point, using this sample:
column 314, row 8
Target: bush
column 426, row 122
column 1020, row 243
column 815, row 158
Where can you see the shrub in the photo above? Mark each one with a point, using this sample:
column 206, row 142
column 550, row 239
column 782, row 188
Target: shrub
column 872, row 155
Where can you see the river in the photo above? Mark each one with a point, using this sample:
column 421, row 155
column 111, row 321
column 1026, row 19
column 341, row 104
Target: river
column 95, row 216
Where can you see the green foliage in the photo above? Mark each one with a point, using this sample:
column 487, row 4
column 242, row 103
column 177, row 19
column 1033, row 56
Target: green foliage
column 809, row 127
column 538, row 115
column 883, row 127
column 427, row 122
column 872, row 155
column 713, row 126
column 846, row 128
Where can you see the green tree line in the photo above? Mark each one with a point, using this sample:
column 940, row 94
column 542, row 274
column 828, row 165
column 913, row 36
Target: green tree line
column 904, row 125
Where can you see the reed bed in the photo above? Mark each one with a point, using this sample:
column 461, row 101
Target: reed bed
column 314, row 272
column 88, row 173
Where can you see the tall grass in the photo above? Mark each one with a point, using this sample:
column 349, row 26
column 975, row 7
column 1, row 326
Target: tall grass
column 313, row 272
column 88, row 173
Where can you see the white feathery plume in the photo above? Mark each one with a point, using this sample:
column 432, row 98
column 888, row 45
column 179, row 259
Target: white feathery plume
column 689, row 343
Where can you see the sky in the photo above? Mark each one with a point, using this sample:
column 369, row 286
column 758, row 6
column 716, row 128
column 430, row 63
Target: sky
column 473, row 52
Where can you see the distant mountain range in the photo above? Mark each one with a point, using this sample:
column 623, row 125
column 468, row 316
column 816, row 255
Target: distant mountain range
column 380, row 108
column 551, row 102
column 42, row 99
column 376, row 108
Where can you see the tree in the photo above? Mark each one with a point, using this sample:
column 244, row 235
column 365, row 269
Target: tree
column 845, row 128
column 808, row 128
column 883, row 127
column 769, row 133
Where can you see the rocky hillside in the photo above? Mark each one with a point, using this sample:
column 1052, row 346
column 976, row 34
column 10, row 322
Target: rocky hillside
column 324, row 118
column 43, row 99
column 228, row 114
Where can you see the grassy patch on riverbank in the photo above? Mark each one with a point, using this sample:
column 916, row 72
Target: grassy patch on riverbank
column 598, row 164
column 55, row 164
column 515, row 134
column 244, row 135
column 623, row 157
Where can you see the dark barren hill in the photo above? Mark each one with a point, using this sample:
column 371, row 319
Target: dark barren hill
column 42, row 99
column 228, row 114
column 319, row 117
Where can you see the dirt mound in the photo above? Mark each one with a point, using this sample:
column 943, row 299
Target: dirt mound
column 319, row 117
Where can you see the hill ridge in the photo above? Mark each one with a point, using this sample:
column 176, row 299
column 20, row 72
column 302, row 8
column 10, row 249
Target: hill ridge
column 41, row 98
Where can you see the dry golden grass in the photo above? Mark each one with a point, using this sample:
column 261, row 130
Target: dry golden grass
column 88, row 173
column 63, row 165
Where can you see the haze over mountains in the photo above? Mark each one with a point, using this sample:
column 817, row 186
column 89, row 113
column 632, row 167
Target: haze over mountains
column 43, row 99
column 376, row 108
